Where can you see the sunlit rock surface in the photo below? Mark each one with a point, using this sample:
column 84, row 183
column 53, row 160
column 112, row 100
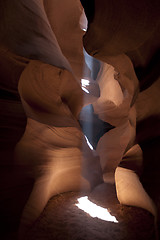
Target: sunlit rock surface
column 62, row 219
column 126, row 36
column 52, row 131
column 42, row 104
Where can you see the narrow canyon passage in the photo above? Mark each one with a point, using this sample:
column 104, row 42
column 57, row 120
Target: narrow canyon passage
column 80, row 111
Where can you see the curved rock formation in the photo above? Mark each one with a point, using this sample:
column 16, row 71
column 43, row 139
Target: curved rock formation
column 47, row 63
column 126, row 35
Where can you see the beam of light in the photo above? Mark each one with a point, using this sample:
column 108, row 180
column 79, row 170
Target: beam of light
column 85, row 90
column 90, row 146
column 84, row 82
column 94, row 210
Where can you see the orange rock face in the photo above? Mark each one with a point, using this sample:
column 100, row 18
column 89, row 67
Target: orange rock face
column 44, row 65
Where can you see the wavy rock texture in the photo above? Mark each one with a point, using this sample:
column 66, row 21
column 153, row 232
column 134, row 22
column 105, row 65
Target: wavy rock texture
column 62, row 219
column 42, row 64
column 118, row 31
